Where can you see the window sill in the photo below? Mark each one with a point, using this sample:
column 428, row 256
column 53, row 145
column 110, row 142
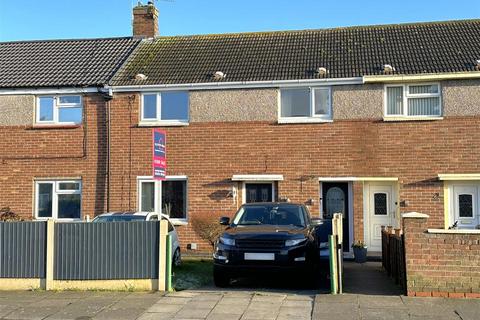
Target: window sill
column 454, row 231
column 303, row 120
column 163, row 124
column 393, row 119
column 179, row 222
column 54, row 126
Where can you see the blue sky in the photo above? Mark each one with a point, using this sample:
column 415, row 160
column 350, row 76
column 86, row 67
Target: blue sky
column 53, row 19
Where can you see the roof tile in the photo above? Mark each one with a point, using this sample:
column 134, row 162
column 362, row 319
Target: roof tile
column 57, row 63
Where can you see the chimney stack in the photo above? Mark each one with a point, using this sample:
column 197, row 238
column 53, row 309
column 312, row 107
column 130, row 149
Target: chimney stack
column 145, row 20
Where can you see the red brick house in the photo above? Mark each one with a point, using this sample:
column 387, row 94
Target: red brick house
column 372, row 121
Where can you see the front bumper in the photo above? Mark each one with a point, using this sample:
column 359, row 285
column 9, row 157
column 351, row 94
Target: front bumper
column 231, row 258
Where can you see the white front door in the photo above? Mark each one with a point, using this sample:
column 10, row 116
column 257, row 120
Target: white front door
column 465, row 206
column 381, row 212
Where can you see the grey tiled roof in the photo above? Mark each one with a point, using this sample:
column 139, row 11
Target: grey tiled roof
column 451, row 46
column 57, row 63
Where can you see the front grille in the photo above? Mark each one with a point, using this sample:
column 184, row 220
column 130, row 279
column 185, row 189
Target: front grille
column 260, row 243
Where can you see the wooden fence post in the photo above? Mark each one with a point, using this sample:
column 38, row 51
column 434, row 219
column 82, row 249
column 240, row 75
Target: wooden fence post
column 50, row 255
column 162, row 256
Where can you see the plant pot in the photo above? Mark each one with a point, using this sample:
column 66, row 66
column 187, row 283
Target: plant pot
column 360, row 254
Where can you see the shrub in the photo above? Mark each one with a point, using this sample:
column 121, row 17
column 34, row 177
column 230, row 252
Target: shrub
column 8, row 215
column 207, row 228
column 359, row 244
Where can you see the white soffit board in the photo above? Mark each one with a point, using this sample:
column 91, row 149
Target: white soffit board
column 257, row 177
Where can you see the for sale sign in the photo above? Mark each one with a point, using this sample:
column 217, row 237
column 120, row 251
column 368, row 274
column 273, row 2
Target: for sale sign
column 159, row 162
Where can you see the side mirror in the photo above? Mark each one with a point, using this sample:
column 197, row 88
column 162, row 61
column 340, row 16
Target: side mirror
column 224, row 221
column 317, row 221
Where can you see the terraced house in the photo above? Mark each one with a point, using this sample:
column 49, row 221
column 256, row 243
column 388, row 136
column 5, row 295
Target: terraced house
column 371, row 121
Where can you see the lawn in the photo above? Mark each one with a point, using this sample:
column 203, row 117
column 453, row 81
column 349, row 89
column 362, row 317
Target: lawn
column 192, row 274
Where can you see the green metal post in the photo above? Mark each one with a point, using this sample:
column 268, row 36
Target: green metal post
column 169, row 263
column 333, row 264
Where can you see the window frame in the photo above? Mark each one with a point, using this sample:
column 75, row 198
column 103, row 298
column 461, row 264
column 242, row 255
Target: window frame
column 56, row 106
column 158, row 195
column 158, row 108
column 406, row 96
column 55, row 192
column 312, row 117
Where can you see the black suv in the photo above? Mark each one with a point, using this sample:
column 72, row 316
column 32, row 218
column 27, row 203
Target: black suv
column 265, row 237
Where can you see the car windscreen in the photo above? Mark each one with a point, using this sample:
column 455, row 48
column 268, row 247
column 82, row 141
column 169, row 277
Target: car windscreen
column 119, row 218
column 280, row 215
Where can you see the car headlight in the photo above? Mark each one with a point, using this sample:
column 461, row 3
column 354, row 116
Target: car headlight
column 294, row 242
column 227, row 241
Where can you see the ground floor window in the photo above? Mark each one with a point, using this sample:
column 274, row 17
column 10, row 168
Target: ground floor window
column 58, row 199
column 171, row 194
column 258, row 192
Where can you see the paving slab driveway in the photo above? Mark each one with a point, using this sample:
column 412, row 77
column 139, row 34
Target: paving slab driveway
column 232, row 305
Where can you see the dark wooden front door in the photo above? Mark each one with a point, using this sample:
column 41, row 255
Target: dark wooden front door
column 335, row 200
column 258, row 192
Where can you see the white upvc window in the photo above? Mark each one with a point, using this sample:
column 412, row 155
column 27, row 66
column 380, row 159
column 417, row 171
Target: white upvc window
column 413, row 101
column 58, row 199
column 59, row 109
column 305, row 104
column 171, row 193
column 165, row 108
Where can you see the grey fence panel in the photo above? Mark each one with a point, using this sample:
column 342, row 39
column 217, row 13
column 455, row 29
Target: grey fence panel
column 22, row 249
column 106, row 250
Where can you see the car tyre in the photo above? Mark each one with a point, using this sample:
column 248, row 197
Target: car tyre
column 177, row 258
column 220, row 279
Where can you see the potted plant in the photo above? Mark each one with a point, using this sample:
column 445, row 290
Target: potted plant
column 359, row 251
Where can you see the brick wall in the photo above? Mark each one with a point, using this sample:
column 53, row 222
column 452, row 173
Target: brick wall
column 74, row 152
column 358, row 229
column 209, row 153
column 439, row 264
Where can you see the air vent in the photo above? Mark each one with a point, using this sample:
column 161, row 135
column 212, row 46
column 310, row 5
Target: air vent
column 219, row 75
column 322, row 72
column 140, row 77
column 388, row 69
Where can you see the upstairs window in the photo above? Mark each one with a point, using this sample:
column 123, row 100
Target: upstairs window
column 169, row 107
column 59, row 109
column 413, row 101
column 305, row 104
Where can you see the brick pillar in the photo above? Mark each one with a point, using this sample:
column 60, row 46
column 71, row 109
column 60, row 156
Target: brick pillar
column 358, row 211
column 414, row 227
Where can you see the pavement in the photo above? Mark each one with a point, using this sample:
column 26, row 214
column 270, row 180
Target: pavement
column 231, row 305
column 370, row 294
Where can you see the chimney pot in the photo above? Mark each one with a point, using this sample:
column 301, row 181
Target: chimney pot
column 145, row 20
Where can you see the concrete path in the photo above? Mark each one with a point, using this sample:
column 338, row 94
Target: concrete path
column 368, row 278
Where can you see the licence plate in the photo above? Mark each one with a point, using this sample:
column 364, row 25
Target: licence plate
column 260, row 256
